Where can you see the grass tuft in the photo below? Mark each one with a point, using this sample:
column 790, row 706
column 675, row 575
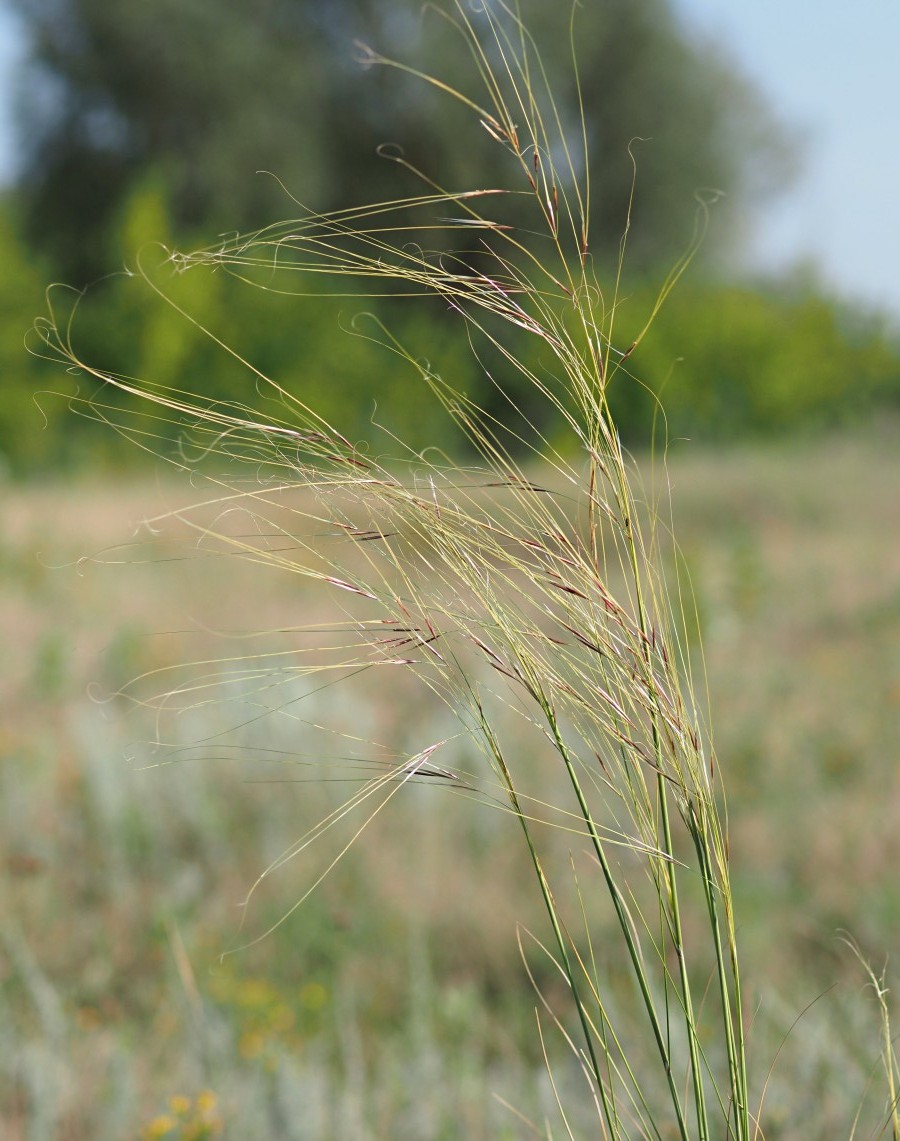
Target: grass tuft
column 535, row 595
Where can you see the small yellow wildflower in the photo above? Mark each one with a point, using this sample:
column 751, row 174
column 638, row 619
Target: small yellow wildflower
column 160, row 1126
column 313, row 996
column 206, row 1102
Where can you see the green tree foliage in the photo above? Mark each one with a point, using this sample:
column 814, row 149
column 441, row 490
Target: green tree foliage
column 726, row 361
column 208, row 94
column 146, row 123
column 194, row 331
column 31, row 420
column 730, row 361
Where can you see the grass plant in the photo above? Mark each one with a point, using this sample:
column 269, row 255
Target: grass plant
column 534, row 593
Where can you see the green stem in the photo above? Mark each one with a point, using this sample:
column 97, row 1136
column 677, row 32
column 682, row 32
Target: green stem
column 623, row 918
column 733, row 1023
column 667, row 846
column 678, row 940
column 609, row 1110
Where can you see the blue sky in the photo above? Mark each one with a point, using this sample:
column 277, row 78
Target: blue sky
column 831, row 70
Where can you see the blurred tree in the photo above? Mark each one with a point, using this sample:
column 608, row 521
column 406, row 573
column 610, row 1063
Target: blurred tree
column 31, row 436
column 207, row 94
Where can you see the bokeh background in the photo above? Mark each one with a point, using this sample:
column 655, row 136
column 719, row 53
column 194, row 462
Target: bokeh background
column 393, row 1003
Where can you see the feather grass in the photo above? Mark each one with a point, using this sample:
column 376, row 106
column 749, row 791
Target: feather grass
column 531, row 583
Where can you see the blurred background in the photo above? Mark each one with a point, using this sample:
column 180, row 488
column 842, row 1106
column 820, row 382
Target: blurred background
column 380, row 1009
column 174, row 123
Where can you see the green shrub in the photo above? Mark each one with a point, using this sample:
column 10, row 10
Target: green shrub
column 732, row 362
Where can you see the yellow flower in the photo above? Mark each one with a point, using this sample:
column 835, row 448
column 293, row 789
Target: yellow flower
column 160, row 1126
column 206, row 1102
column 313, row 996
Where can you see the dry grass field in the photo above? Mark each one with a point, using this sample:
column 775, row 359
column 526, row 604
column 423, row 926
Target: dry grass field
column 393, row 1003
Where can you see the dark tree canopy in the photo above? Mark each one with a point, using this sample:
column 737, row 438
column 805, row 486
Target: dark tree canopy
column 206, row 94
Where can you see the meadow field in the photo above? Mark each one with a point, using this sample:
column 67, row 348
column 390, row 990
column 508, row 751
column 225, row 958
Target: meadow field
column 394, row 1002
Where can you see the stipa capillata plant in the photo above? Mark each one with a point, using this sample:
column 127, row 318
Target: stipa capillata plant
column 532, row 585
column 498, row 588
